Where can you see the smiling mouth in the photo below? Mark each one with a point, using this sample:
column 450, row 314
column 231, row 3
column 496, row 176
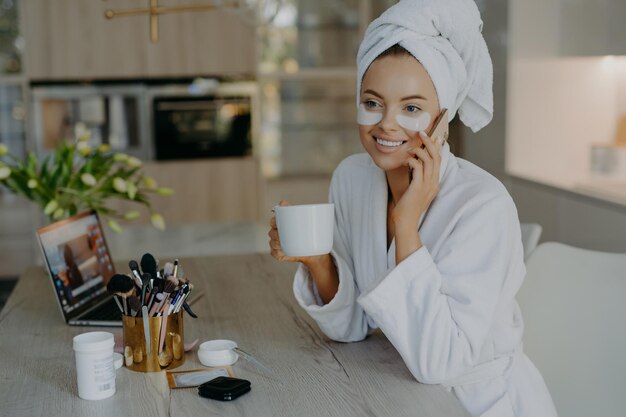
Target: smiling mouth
column 389, row 143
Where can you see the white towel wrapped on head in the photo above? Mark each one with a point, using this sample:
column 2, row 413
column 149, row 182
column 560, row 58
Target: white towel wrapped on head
column 445, row 37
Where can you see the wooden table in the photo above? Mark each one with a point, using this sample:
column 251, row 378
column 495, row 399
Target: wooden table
column 248, row 299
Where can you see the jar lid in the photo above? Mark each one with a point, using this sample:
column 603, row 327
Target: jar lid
column 93, row 341
column 216, row 345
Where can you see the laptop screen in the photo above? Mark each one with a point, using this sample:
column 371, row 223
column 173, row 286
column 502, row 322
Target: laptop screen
column 78, row 261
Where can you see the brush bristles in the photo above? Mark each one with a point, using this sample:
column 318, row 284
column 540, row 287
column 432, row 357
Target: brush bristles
column 120, row 284
column 134, row 303
column 149, row 264
column 169, row 287
column 133, row 265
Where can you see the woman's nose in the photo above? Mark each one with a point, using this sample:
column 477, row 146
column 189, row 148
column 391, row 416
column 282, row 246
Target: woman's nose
column 389, row 121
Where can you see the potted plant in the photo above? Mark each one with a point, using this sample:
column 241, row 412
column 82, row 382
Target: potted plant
column 77, row 177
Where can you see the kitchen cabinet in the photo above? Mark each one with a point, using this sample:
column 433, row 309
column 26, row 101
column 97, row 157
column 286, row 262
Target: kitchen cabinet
column 206, row 190
column 574, row 217
column 71, row 39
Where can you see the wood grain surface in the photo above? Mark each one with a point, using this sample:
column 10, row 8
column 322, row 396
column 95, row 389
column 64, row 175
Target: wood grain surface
column 247, row 298
column 71, row 39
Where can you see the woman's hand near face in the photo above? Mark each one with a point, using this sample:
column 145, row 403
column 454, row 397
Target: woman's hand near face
column 425, row 164
column 322, row 267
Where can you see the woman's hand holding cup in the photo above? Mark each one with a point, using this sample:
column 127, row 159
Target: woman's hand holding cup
column 275, row 248
column 306, row 232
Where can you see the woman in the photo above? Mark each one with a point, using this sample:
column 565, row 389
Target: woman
column 435, row 259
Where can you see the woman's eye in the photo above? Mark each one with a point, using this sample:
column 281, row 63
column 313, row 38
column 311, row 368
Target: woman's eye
column 412, row 109
column 370, row 104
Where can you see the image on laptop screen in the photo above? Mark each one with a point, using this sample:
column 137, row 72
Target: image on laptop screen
column 78, row 260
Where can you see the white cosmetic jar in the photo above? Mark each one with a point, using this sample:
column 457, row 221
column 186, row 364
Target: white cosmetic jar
column 95, row 370
column 217, row 353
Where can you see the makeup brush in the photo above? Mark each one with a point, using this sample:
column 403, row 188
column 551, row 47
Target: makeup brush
column 151, row 303
column 135, row 305
column 180, row 273
column 180, row 297
column 123, row 286
column 117, row 301
column 175, row 268
column 168, row 288
column 166, row 307
column 154, row 305
column 146, row 328
column 168, row 270
column 159, row 283
column 134, row 267
column 188, row 310
column 149, row 265
column 175, row 281
column 146, row 277
column 120, row 284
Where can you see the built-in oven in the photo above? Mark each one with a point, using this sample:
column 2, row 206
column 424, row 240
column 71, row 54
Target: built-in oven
column 215, row 122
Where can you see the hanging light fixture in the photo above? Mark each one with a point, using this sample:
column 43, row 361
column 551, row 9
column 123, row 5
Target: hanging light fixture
column 254, row 12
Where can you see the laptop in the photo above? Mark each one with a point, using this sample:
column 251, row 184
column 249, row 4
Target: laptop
column 80, row 266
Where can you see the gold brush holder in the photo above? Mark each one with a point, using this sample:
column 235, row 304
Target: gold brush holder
column 135, row 353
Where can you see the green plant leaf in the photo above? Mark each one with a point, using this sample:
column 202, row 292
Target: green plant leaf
column 43, row 172
column 19, row 186
column 56, row 174
column 58, row 181
column 31, row 164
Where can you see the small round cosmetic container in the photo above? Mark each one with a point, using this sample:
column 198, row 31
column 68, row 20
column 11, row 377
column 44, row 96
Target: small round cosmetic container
column 217, row 353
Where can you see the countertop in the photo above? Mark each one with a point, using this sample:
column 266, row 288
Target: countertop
column 178, row 241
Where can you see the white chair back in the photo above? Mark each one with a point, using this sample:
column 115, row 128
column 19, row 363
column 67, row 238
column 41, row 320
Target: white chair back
column 531, row 232
column 574, row 307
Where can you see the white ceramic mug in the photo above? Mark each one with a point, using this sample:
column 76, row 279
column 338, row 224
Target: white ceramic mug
column 306, row 230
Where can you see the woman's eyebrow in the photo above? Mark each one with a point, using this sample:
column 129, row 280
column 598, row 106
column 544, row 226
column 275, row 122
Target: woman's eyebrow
column 412, row 97
column 415, row 96
column 374, row 93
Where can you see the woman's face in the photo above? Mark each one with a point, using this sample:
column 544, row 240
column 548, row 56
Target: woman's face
column 397, row 90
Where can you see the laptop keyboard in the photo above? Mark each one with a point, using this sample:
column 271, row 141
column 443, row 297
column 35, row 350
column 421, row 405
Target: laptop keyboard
column 106, row 312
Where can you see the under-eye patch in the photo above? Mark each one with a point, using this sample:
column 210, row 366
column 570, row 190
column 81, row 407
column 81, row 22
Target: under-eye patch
column 416, row 123
column 366, row 117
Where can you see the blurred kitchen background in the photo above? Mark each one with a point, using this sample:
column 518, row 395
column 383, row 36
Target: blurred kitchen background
column 276, row 80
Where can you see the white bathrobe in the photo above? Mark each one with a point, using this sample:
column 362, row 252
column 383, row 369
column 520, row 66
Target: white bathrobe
column 449, row 308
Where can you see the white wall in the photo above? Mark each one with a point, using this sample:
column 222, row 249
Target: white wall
column 557, row 108
column 561, row 98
